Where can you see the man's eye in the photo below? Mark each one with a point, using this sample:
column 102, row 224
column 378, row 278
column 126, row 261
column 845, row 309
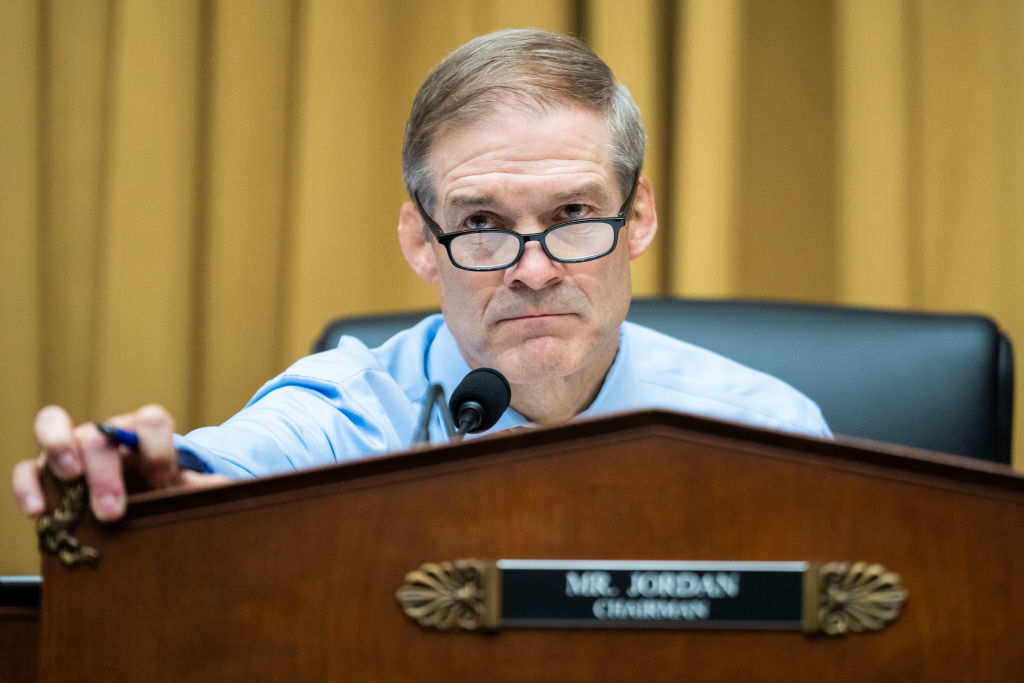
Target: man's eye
column 478, row 222
column 573, row 211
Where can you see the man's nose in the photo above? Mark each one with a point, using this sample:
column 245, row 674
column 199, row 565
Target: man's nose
column 534, row 269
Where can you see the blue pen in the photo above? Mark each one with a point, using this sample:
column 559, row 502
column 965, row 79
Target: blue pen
column 122, row 437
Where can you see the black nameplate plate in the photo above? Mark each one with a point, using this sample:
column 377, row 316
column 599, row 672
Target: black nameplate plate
column 744, row 595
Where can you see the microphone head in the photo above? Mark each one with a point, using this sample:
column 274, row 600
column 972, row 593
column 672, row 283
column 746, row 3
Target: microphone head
column 488, row 390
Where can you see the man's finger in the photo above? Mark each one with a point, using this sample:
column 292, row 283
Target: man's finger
column 159, row 460
column 102, row 473
column 194, row 481
column 27, row 489
column 55, row 434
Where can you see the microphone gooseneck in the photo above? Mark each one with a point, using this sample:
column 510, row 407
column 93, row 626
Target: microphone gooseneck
column 477, row 403
column 435, row 398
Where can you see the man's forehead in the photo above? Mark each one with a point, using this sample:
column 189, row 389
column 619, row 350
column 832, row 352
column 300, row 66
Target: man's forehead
column 499, row 114
column 518, row 143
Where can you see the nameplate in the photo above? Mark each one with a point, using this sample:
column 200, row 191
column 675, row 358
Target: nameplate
column 652, row 594
column 472, row 594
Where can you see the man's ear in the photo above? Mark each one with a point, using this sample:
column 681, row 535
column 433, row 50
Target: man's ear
column 417, row 248
column 643, row 225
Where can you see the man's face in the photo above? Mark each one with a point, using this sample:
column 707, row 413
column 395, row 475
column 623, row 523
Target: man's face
column 538, row 320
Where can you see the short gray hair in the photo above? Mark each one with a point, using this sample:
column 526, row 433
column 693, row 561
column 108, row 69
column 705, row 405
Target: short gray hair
column 527, row 67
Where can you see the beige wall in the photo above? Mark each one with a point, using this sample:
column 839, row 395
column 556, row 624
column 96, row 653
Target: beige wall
column 189, row 190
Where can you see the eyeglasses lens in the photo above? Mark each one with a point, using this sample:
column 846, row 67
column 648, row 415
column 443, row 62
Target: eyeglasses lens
column 571, row 242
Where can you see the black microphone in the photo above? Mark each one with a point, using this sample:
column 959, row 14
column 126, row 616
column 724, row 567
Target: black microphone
column 479, row 400
column 477, row 403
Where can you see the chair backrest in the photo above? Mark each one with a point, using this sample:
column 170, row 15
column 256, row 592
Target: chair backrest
column 937, row 381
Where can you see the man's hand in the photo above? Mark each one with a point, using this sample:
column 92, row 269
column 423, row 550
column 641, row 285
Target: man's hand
column 70, row 452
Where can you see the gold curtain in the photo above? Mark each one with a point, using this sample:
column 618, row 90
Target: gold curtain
column 190, row 190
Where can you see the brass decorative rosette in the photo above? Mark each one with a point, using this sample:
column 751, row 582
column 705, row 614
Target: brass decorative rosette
column 446, row 594
column 857, row 597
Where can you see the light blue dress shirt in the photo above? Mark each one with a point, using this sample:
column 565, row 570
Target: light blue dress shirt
column 352, row 402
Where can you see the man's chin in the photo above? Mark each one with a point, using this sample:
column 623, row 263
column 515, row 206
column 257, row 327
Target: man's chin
column 536, row 360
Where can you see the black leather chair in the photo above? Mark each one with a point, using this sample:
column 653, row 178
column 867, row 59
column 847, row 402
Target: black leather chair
column 941, row 382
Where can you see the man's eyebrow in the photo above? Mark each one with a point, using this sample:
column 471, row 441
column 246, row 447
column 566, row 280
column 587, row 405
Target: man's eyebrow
column 462, row 201
column 593, row 189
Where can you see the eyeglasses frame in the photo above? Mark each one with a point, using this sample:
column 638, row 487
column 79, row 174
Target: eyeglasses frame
column 445, row 238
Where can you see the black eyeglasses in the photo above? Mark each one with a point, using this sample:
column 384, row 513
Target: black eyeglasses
column 575, row 241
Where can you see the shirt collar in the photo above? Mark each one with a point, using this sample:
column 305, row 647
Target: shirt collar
column 447, row 367
column 619, row 387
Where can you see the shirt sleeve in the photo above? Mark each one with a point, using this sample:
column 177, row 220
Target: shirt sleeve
column 328, row 408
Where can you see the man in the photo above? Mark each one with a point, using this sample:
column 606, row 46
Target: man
column 522, row 159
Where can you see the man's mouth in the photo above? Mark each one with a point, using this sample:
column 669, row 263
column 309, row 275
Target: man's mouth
column 538, row 315
column 534, row 324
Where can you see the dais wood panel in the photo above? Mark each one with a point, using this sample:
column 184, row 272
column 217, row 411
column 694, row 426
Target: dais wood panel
column 293, row 578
